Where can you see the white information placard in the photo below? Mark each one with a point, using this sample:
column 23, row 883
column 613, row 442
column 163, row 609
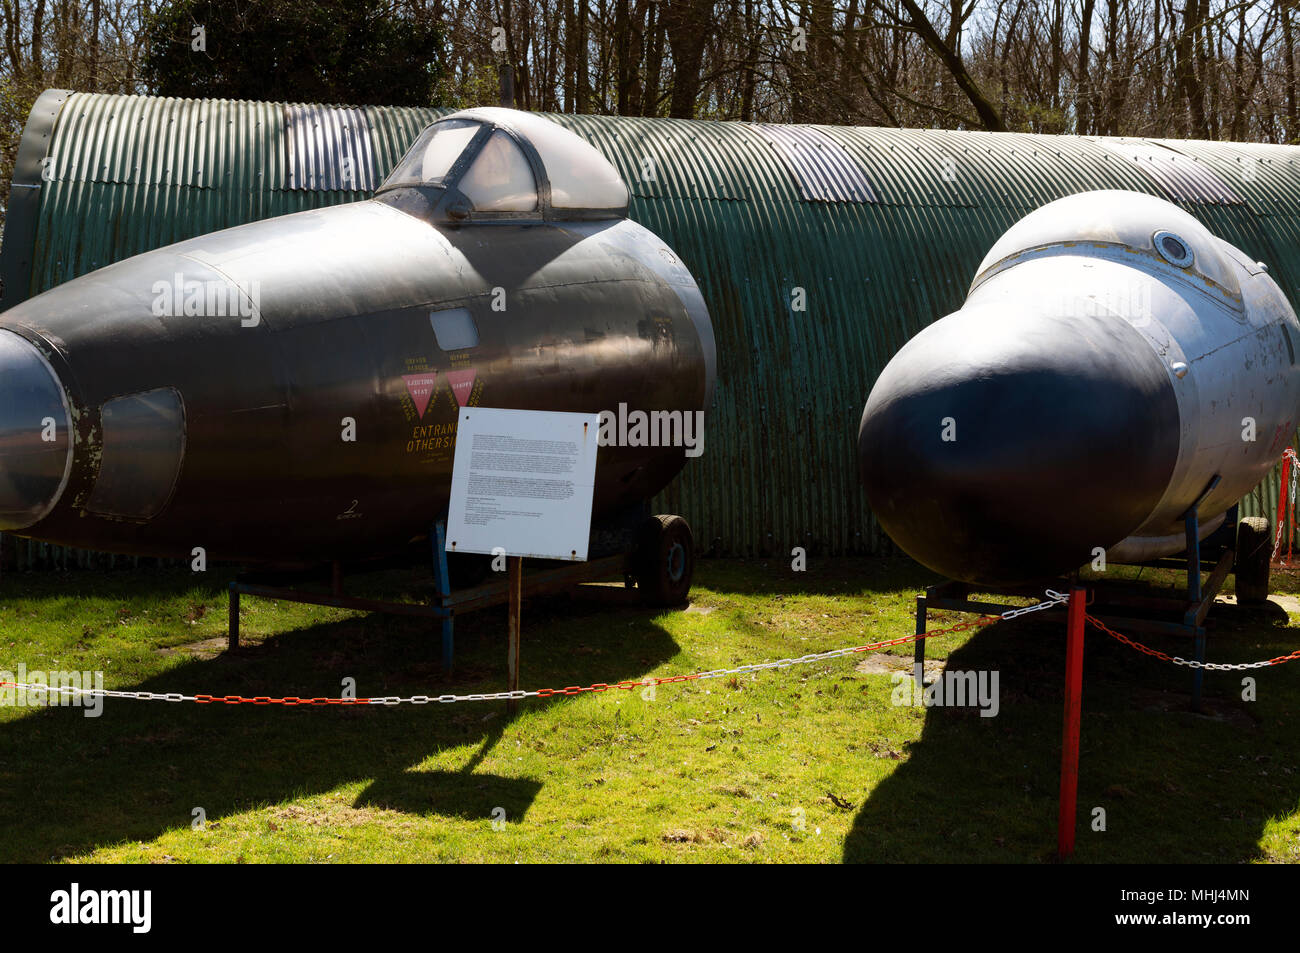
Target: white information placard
column 522, row 482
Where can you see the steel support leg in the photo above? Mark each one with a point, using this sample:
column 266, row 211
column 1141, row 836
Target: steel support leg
column 232, row 627
column 1192, row 528
column 918, row 650
column 442, row 585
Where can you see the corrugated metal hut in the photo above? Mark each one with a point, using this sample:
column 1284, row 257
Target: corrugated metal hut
column 819, row 249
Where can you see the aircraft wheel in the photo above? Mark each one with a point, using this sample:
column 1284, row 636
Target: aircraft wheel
column 667, row 560
column 1254, row 552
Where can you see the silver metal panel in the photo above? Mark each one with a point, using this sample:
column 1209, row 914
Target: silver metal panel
column 1181, row 177
column 824, row 170
column 330, row 149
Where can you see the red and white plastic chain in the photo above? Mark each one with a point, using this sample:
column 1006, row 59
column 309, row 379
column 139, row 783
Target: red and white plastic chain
column 1053, row 599
column 1191, row 663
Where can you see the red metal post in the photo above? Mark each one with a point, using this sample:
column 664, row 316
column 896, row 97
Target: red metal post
column 1070, row 734
column 1285, row 513
column 1290, row 536
column 1281, row 492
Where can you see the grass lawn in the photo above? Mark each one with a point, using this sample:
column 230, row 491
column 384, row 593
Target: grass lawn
column 811, row 763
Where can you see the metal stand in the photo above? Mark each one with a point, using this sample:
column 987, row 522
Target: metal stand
column 955, row 597
column 442, row 592
column 918, row 648
column 445, row 605
column 439, row 609
column 1125, row 605
column 1198, row 607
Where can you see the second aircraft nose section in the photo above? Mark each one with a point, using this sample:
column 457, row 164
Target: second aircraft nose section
column 973, row 464
column 35, row 440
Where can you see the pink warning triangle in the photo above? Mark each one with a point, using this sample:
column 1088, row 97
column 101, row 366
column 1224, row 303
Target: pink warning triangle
column 420, row 387
column 462, row 382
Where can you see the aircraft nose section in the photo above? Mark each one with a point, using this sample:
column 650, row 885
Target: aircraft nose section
column 35, row 434
column 1003, row 448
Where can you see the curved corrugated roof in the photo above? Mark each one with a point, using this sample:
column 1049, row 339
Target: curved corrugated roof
column 877, row 231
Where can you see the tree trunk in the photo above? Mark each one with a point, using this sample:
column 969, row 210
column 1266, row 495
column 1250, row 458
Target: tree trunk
column 1288, row 56
column 1185, row 69
column 686, row 22
column 988, row 115
column 1083, row 103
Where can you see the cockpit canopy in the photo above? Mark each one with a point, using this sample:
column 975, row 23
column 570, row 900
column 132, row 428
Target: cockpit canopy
column 510, row 164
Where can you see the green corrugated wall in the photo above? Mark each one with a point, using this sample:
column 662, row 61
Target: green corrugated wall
column 127, row 174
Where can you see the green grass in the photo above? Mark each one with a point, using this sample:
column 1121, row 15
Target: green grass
column 755, row 768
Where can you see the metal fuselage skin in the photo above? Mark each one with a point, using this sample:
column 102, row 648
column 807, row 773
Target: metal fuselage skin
column 1084, row 397
column 569, row 316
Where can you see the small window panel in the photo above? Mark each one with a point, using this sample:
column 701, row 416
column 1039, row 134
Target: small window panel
column 1172, row 249
column 444, row 149
column 434, row 153
column 454, row 328
column 580, row 176
column 144, row 442
column 500, row 180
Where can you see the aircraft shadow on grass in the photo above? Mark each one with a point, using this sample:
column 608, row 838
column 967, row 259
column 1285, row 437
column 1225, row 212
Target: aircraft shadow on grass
column 71, row 784
column 1175, row 786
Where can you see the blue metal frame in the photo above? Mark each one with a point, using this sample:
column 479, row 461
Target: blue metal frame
column 443, row 583
column 1192, row 530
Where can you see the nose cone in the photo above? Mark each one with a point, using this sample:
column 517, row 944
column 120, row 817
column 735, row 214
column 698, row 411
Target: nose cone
column 1001, row 448
column 35, row 449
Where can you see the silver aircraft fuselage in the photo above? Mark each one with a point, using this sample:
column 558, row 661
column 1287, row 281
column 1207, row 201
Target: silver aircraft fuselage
column 1112, row 361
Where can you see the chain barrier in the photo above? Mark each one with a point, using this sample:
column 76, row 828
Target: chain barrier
column 1053, row 599
column 1191, row 663
column 1286, row 503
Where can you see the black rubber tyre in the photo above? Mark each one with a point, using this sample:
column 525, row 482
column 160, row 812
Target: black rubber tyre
column 1254, row 552
column 1225, row 537
column 666, row 561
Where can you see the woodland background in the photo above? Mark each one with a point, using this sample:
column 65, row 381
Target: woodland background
column 1210, row 69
